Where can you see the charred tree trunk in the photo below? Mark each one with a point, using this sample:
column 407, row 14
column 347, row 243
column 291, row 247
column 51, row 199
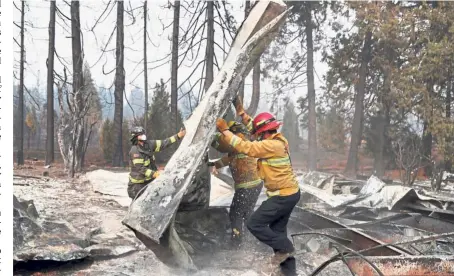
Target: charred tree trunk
column 312, row 124
column 62, row 135
column 448, row 161
column 20, row 150
column 381, row 130
column 247, row 8
column 50, row 87
column 28, row 140
column 255, row 98
column 352, row 162
column 117, row 160
column 78, row 104
column 383, row 124
column 427, row 149
column 145, row 70
column 174, row 73
column 210, row 45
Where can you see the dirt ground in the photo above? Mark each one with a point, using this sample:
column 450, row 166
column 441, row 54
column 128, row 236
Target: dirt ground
column 74, row 200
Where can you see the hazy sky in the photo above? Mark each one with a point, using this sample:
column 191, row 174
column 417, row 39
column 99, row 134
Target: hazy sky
column 36, row 44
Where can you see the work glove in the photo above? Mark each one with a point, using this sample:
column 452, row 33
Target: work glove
column 156, row 174
column 181, row 134
column 238, row 106
column 221, row 124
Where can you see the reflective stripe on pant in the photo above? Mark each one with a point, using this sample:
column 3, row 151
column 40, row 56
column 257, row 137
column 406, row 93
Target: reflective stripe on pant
column 269, row 225
column 242, row 206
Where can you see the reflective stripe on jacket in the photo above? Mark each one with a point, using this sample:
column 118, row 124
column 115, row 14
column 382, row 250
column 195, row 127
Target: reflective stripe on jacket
column 243, row 168
column 274, row 165
column 142, row 161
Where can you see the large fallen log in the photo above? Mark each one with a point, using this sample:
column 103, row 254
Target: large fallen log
column 152, row 215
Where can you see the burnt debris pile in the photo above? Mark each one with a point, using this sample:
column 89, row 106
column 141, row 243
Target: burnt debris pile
column 375, row 228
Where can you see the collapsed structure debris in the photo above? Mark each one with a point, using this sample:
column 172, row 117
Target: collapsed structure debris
column 375, row 230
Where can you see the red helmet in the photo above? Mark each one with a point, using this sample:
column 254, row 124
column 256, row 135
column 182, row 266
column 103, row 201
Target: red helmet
column 263, row 122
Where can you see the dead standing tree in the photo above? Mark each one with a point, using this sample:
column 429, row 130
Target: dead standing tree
column 174, row 64
column 117, row 159
column 20, row 151
column 71, row 130
column 255, row 98
column 145, row 70
column 50, row 86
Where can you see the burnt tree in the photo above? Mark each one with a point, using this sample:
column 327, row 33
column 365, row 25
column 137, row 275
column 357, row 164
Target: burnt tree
column 209, row 56
column 174, row 64
column 358, row 117
column 312, row 124
column 145, row 71
column 20, row 150
column 117, row 160
column 50, row 86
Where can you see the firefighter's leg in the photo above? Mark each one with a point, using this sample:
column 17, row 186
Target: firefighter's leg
column 258, row 224
column 236, row 215
column 135, row 189
column 288, row 266
column 252, row 197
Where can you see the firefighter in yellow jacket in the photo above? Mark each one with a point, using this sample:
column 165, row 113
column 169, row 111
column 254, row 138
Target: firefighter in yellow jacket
column 269, row 222
column 142, row 160
column 247, row 182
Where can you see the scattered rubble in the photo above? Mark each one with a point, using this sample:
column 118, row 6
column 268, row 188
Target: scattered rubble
column 37, row 239
column 379, row 229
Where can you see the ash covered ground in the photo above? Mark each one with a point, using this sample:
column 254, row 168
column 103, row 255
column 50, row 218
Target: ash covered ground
column 94, row 204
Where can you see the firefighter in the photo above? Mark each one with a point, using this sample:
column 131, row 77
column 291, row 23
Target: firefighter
column 142, row 160
column 269, row 222
column 247, row 182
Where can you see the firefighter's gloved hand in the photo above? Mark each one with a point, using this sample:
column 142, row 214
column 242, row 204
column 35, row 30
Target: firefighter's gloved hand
column 182, row 133
column 221, row 124
column 238, row 106
column 156, row 174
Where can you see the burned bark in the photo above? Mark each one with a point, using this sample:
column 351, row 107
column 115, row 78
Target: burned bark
column 20, row 150
column 209, row 57
column 78, row 86
column 427, row 149
column 383, row 125
column 247, row 7
column 71, row 131
column 145, row 70
column 448, row 160
column 63, row 132
column 50, row 86
column 352, row 162
column 255, row 98
column 174, row 73
column 312, row 124
column 117, row 160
